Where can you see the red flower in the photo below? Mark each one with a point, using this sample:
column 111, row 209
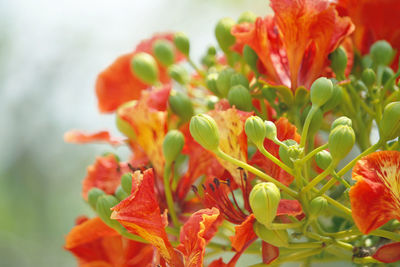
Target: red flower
column 94, row 244
column 294, row 45
column 78, row 137
column 388, row 253
column 375, row 198
column 374, row 20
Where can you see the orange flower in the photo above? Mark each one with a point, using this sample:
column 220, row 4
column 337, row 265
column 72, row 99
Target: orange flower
column 374, row 20
column 388, row 253
column 94, row 244
column 78, row 137
column 375, row 198
column 293, row 46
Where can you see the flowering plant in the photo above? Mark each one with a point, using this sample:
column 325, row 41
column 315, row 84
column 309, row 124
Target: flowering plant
column 246, row 153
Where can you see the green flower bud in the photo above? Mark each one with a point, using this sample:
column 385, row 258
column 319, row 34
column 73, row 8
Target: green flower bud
column 277, row 238
column 145, row 68
column 251, row 57
column 224, row 81
column 164, row 52
column 389, row 127
column 264, row 200
column 179, row 74
column 335, row 99
column 240, row 97
column 270, row 130
column 211, row 51
column 239, row 79
column 341, row 141
column 172, row 146
column 247, row 16
column 381, row 52
column 368, row 76
column 211, row 82
column 323, row 159
column 204, row 130
column 120, row 193
column 223, row 33
column 103, row 209
column 255, row 130
column 366, row 62
column 181, row 42
column 338, row 61
column 343, row 120
column 93, row 195
column 122, row 125
column 181, row 105
column 321, row 91
column 317, row 206
column 387, row 74
column 289, row 153
column 126, row 182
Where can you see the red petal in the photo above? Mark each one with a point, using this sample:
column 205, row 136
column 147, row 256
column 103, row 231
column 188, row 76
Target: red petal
column 289, row 207
column 104, row 174
column 243, row 233
column 199, row 229
column 269, row 252
column 388, row 253
column 140, row 215
column 79, row 137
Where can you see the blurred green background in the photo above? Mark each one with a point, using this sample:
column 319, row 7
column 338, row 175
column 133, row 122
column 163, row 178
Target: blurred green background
column 50, row 54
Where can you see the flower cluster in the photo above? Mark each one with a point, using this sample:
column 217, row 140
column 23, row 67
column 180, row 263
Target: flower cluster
column 242, row 153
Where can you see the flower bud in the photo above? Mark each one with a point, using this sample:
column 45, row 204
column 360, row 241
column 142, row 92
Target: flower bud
column 251, row 57
column 335, row 99
column 338, row 61
column 264, row 200
column 239, row 79
column 368, row 76
column 390, row 123
column 122, row 125
column 223, row 33
column 255, row 130
column 172, row 146
column 277, row 238
column 270, row 130
column 317, row 206
column 343, row 120
column 163, row 51
column 145, row 68
column 341, row 141
column 120, row 193
column 240, row 97
column 126, row 182
column 181, row 42
column 321, row 91
column 247, row 16
column 388, row 74
column 211, row 82
column 181, row 105
column 205, row 131
column 381, row 52
column 224, row 81
column 103, row 209
column 179, row 74
column 93, row 195
column 211, row 51
column 289, row 153
column 323, row 159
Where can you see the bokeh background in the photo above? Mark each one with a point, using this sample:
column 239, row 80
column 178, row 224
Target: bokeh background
column 50, row 54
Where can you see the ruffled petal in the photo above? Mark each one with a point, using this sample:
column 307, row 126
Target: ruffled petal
column 243, row 233
column 388, row 253
column 79, row 137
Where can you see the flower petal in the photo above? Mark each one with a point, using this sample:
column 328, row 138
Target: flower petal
column 388, row 253
column 78, row 137
column 269, row 252
column 243, row 233
column 289, row 207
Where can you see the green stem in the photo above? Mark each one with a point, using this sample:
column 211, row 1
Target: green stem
column 282, row 226
column 332, row 182
column 255, row 171
column 292, row 257
column 168, row 196
column 274, row 159
column 386, row 234
column 191, row 63
column 319, row 178
column 304, row 133
column 312, row 153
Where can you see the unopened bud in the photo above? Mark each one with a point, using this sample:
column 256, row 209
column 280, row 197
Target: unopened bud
column 323, row 159
column 126, row 182
column 264, row 200
column 387, row 75
column 204, row 130
column 335, row 99
column 172, row 146
column 179, row 74
column 247, row 16
column 120, row 193
column 182, row 43
column 211, row 82
column 390, row 123
column 240, row 97
column 239, row 79
column 103, row 209
column 277, row 238
column 317, row 206
column 341, row 141
column 289, row 153
column 368, row 76
column 164, row 52
column 255, row 130
column 338, row 61
column 343, row 120
column 224, row 81
column 381, row 53
column 122, row 125
column 223, row 33
column 181, row 105
column 251, row 57
column 321, row 91
column 145, row 68
column 93, row 195
column 270, row 130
